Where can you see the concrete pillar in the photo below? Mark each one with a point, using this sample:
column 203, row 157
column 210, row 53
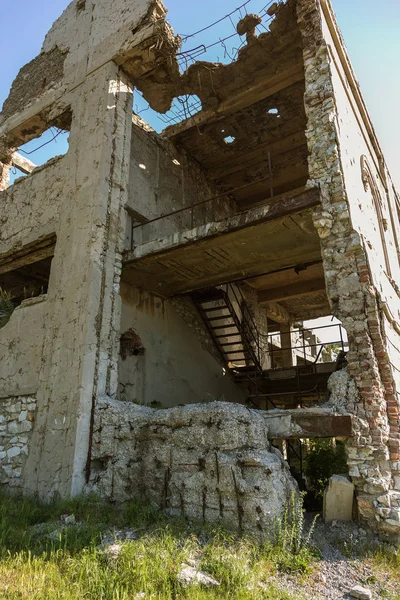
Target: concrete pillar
column 286, row 345
column 81, row 345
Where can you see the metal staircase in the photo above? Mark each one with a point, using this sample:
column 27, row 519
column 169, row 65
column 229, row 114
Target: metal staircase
column 231, row 326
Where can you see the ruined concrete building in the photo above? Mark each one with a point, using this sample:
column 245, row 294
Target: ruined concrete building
column 144, row 275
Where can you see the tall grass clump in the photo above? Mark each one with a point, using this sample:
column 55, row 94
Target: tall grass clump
column 290, row 546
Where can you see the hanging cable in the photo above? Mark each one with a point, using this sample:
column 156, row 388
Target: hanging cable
column 55, row 136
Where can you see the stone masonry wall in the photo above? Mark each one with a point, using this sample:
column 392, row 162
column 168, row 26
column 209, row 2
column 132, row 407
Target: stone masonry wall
column 208, row 461
column 16, row 422
column 373, row 453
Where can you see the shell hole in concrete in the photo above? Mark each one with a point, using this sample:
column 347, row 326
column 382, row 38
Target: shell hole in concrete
column 51, row 143
column 229, row 139
column 182, row 108
column 274, row 112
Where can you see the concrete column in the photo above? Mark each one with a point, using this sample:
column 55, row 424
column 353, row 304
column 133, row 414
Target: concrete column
column 81, row 345
column 286, row 344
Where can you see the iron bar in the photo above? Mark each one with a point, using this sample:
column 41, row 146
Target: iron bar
column 271, row 187
column 186, row 208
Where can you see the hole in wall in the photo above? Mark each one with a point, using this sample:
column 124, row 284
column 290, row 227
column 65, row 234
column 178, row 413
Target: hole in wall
column 50, row 144
column 229, row 139
column 23, row 283
column 80, row 6
column 182, row 108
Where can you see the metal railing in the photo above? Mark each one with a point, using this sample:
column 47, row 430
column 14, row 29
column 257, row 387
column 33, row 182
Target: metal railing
column 258, row 377
column 305, row 349
column 190, row 210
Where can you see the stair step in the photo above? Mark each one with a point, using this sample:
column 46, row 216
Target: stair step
column 213, row 309
column 221, row 318
column 231, row 343
column 228, row 335
column 226, row 327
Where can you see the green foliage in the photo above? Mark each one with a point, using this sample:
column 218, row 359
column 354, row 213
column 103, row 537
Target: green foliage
column 71, row 564
column 6, row 307
column 323, row 461
column 291, row 542
column 330, row 352
column 388, row 558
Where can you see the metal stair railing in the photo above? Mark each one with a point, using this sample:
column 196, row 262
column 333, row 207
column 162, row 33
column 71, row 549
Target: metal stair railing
column 245, row 324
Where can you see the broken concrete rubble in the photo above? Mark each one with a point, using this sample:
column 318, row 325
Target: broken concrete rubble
column 211, row 244
column 209, row 462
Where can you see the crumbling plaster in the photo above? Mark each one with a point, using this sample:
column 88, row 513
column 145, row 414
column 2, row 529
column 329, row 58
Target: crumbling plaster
column 83, row 308
column 180, row 363
column 33, row 207
column 373, row 452
column 80, row 433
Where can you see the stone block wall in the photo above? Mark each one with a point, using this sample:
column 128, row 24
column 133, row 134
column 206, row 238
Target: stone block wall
column 16, row 422
column 208, row 461
column 373, row 451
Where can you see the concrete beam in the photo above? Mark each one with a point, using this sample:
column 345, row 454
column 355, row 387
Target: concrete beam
column 272, row 211
column 22, row 163
column 305, row 288
column 277, row 313
column 271, row 237
column 307, row 423
column 261, row 90
column 28, row 254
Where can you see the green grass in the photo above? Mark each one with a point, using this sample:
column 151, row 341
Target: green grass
column 70, row 565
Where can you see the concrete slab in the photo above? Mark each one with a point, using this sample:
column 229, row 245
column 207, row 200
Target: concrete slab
column 256, row 241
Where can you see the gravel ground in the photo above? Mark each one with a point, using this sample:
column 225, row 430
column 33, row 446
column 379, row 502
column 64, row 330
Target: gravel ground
column 336, row 573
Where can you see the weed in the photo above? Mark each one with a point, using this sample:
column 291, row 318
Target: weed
column 290, row 534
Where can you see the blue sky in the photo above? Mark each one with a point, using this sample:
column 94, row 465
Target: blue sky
column 370, row 29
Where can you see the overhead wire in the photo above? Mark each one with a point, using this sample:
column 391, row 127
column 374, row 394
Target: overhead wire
column 55, row 136
column 184, row 107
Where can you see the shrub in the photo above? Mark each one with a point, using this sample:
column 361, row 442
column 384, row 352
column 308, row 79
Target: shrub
column 323, row 461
